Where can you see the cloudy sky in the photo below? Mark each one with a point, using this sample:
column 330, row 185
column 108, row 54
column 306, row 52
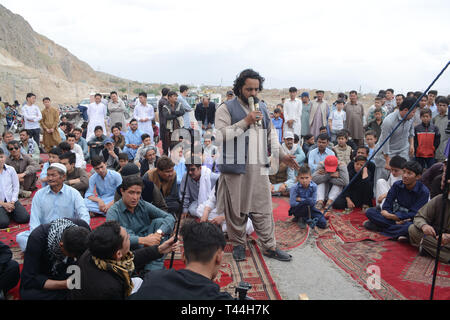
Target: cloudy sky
column 333, row 45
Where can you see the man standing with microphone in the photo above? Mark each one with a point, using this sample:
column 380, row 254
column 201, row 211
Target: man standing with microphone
column 244, row 186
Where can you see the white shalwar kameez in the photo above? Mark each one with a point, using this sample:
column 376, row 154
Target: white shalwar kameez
column 141, row 112
column 96, row 114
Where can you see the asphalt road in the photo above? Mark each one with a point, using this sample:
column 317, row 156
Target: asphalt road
column 312, row 273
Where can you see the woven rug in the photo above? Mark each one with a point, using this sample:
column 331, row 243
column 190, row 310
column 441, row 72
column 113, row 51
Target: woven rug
column 253, row 270
column 287, row 233
column 403, row 273
column 349, row 227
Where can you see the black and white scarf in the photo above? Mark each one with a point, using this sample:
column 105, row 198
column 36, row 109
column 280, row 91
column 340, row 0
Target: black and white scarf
column 55, row 232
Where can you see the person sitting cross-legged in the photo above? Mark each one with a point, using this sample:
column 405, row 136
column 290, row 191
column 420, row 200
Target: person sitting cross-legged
column 50, row 253
column 204, row 245
column 10, row 206
column 96, row 142
column 29, row 146
column 107, row 267
column 140, row 218
column 396, row 165
column 360, row 192
column 53, row 157
column 111, row 154
column 302, row 198
column 331, row 177
column 57, row 200
column 403, row 201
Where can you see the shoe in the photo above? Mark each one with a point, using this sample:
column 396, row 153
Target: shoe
column 239, row 253
column 278, row 255
column 370, row 226
column 301, row 223
column 402, row 239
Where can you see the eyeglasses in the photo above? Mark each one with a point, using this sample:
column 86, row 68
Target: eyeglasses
column 13, row 148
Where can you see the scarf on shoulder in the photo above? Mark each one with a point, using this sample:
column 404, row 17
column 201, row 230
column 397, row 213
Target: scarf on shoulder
column 55, row 232
column 122, row 268
column 164, row 186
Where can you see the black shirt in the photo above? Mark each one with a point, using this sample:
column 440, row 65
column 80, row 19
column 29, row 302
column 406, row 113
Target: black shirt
column 178, row 285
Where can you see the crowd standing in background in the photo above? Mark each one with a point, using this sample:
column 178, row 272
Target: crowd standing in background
column 135, row 173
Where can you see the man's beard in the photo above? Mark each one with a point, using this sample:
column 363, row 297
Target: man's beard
column 245, row 100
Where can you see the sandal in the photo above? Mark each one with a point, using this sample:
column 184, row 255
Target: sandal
column 278, row 255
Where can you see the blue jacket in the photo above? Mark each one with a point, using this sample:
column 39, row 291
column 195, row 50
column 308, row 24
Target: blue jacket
column 308, row 196
column 410, row 201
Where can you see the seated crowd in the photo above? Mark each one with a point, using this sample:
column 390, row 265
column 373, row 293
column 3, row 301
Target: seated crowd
column 140, row 190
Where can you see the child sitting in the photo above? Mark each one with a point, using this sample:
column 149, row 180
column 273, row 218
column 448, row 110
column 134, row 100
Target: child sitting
column 360, row 192
column 123, row 160
column 330, row 176
column 396, row 164
column 342, row 150
column 426, row 140
column 303, row 196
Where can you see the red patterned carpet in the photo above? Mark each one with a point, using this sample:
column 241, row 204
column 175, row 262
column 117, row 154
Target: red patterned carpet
column 404, row 274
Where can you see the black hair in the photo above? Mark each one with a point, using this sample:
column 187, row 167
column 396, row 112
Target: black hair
column 407, row 104
column 142, row 94
column 164, row 163
column 75, row 240
column 340, row 101
column 378, row 98
column 64, row 146
column 414, row 167
column 7, row 132
column 410, row 93
column 434, row 92
column 13, row 143
column 123, row 156
column 442, row 99
column 360, row 158
column 24, row 130
column 172, row 93
column 201, row 241
column 113, row 92
column 425, row 111
column 353, row 91
column 378, row 110
column 293, row 89
column 98, row 128
column 277, row 110
column 1, row 151
column 390, row 90
column 307, row 136
column 97, row 160
column 244, row 75
column 118, row 124
column 29, row 95
column 323, row 136
column 98, row 95
column 370, row 133
column 397, row 162
column 417, row 94
column 183, row 88
column 322, row 128
column 57, row 151
column 133, row 120
column 105, row 240
column 341, row 133
column 69, row 156
column 78, row 129
column 70, row 135
column 319, row 91
column 145, row 136
column 341, row 95
column 129, row 181
column 296, row 138
column 304, row 169
column 46, row 98
column 424, row 96
column 165, row 91
column 400, row 95
column 114, row 127
column 363, row 147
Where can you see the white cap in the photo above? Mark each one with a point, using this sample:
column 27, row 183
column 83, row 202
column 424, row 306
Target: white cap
column 58, row 166
column 289, row 135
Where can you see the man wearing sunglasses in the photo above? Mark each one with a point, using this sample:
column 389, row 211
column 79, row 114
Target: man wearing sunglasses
column 25, row 167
